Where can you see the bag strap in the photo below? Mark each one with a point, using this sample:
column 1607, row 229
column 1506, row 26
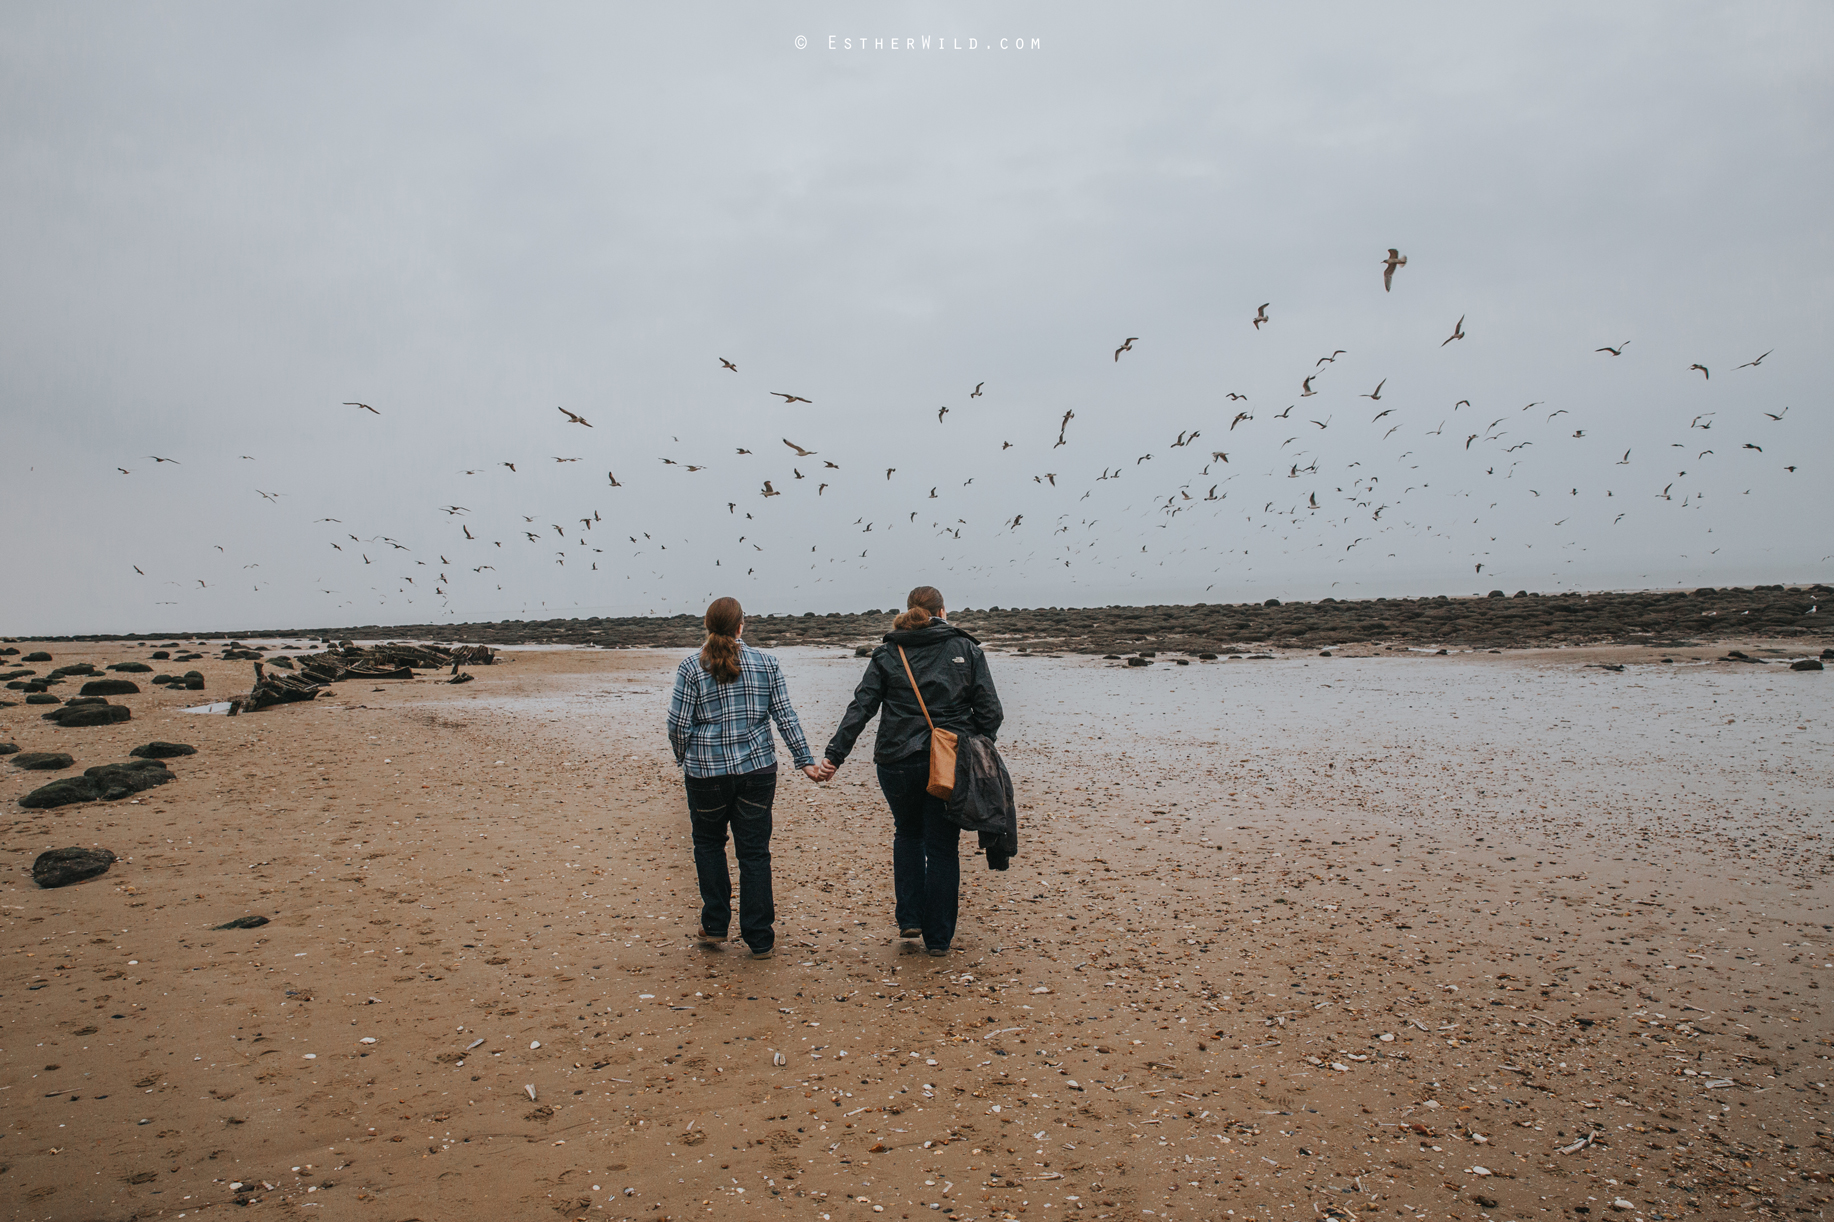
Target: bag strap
column 914, row 688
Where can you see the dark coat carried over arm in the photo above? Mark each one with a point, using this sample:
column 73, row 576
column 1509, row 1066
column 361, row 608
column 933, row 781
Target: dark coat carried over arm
column 982, row 800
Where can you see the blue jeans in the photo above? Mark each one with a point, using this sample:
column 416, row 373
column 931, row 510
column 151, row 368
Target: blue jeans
column 926, row 870
column 742, row 803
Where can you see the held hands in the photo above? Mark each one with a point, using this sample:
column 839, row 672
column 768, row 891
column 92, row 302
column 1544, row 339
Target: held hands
column 823, row 771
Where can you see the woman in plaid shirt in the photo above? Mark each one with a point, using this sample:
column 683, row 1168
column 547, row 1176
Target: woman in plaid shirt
column 725, row 698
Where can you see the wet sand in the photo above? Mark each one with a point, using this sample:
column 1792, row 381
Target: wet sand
column 1366, row 937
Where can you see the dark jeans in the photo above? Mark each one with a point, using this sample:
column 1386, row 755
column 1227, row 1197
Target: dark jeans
column 742, row 802
column 926, row 871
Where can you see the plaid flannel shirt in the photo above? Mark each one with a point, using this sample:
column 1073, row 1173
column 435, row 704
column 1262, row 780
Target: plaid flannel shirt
column 717, row 729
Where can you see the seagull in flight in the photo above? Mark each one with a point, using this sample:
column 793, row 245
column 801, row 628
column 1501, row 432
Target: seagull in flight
column 789, row 399
column 1395, row 259
column 1754, row 364
column 976, row 393
column 157, row 458
column 1772, row 415
column 1128, row 346
column 1617, row 351
column 1703, row 370
column 729, row 365
column 1261, row 315
column 1458, row 332
column 572, row 418
column 800, row 452
column 1332, row 359
column 1305, row 388
column 366, row 407
column 1376, row 394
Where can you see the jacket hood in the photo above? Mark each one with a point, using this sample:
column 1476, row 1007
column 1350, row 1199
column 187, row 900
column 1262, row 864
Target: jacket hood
column 932, row 633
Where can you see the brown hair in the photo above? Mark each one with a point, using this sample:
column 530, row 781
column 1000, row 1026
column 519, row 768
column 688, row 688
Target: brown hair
column 719, row 657
column 925, row 602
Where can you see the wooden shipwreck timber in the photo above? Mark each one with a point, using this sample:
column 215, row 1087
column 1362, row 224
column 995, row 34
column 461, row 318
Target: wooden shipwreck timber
column 317, row 672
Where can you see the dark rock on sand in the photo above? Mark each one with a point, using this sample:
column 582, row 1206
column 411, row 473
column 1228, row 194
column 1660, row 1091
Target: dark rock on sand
column 43, row 761
column 194, row 682
column 1806, row 664
column 103, row 783
column 161, row 655
column 1139, row 661
column 40, row 656
column 43, row 698
column 247, row 922
column 162, row 751
column 75, row 716
column 9, row 748
column 61, row 867
column 111, row 687
column 131, row 668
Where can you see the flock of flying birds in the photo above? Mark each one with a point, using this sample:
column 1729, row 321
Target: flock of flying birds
column 1185, row 478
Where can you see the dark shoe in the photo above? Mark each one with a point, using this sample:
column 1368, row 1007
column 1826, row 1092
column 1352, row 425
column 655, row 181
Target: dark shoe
column 910, row 933
column 704, row 936
column 766, row 953
column 936, row 951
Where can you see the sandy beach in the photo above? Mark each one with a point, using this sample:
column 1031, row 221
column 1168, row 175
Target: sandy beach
column 1477, row 935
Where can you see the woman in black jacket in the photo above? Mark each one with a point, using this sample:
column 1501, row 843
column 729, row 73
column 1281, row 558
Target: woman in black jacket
column 951, row 672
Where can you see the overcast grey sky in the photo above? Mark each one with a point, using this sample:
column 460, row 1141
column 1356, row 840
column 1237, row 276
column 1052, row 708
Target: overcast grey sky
column 224, row 220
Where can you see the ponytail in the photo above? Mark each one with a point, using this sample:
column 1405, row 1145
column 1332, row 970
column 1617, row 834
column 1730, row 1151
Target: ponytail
column 916, row 617
column 719, row 657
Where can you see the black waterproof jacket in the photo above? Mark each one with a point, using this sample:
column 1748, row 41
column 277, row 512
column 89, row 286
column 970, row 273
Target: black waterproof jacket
column 952, row 674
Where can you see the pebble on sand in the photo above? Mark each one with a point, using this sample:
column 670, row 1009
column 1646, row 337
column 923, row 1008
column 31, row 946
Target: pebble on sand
column 110, row 687
column 61, row 867
column 104, row 783
column 43, row 761
column 162, row 751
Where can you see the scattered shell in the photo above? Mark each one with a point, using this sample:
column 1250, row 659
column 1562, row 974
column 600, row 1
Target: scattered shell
column 534, row 1044
column 1040, row 989
column 312, row 1056
column 1621, row 1203
column 531, row 1090
column 368, row 1039
column 777, row 1058
column 473, row 1044
column 1480, row 1171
